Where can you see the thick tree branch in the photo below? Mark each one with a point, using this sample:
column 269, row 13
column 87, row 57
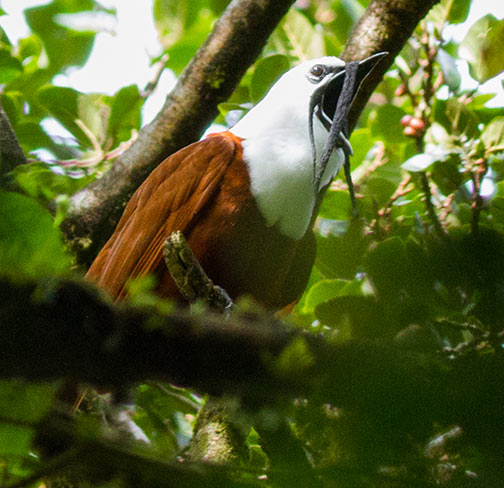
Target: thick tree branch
column 209, row 79
column 64, row 330
column 11, row 154
column 386, row 25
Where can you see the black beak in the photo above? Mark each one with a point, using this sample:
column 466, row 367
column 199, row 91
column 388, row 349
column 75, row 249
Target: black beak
column 333, row 89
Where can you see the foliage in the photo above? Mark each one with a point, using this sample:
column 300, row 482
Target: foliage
column 421, row 268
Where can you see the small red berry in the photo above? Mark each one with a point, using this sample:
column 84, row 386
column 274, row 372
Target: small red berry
column 406, row 120
column 417, row 123
column 400, row 90
column 410, row 131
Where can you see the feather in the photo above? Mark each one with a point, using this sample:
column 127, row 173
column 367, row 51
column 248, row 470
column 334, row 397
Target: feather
column 170, row 199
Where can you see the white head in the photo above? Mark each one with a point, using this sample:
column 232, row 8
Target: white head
column 277, row 146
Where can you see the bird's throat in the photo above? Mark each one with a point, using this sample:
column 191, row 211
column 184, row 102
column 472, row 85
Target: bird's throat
column 282, row 183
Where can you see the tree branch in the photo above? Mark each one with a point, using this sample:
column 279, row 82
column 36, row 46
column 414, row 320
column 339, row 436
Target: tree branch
column 64, row 329
column 11, row 154
column 209, row 79
column 386, row 25
column 190, row 278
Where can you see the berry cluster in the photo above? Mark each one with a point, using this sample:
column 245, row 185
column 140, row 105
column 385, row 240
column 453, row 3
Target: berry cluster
column 413, row 126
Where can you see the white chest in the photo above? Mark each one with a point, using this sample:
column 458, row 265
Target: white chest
column 281, row 174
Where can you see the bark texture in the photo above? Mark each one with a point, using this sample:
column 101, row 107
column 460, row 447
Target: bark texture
column 11, row 154
column 386, row 25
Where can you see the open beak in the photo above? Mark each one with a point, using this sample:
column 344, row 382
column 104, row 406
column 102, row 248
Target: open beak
column 333, row 88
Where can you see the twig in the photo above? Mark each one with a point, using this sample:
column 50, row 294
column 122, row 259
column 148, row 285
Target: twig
column 190, row 278
column 474, row 329
column 91, row 137
column 151, row 85
column 403, row 189
column 477, row 205
column 431, row 211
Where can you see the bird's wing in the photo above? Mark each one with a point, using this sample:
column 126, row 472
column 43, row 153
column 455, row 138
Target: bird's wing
column 170, row 199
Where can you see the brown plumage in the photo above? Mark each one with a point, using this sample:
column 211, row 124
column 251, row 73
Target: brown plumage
column 203, row 190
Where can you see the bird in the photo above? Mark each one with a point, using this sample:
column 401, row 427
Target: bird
column 245, row 198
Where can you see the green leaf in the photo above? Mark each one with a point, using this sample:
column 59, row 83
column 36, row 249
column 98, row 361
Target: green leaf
column 354, row 316
column 65, row 47
column 32, row 136
column 30, row 46
column 497, row 208
column 336, row 205
column 298, row 38
column 463, row 120
column 26, row 402
column 125, row 114
column 266, row 72
column 339, row 256
column 295, row 359
column 63, row 104
column 15, row 440
column 72, row 109
column 173, row 18
column 482, row 48
column 321, row 292
column 39, row 181
column 449, row 68
column 226, row 107
column 12, row 103
column 346, row 15
column 159, row 411
column 381, row 189
column 181, row 50
column 10, row 67
column 94, row 113
column 440, row 115
column 493, row 135
column 362, row 142
column 385, row 123
column 464, row 212
column 419, row 163
column 446, row 175
column 4, row 39
column 387, row 265
column 452, row 11
column 30, row 245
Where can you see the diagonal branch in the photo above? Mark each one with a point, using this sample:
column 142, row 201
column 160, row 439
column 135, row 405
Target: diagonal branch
column 386, row 25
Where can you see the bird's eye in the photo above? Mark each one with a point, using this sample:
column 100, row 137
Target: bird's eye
column 317, row 71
